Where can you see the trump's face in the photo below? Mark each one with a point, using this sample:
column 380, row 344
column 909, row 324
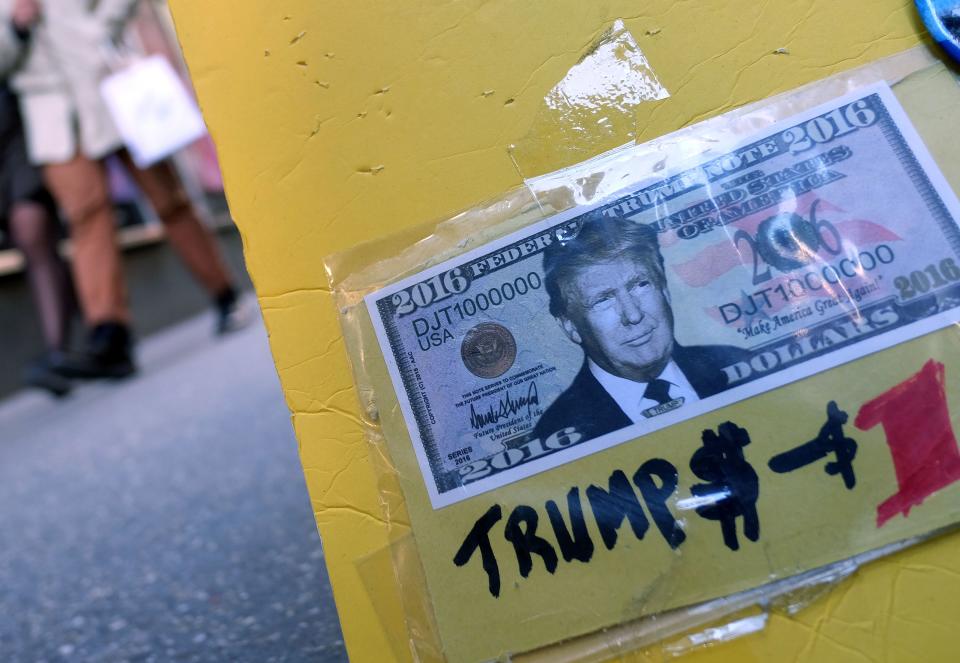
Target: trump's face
column 621, row 317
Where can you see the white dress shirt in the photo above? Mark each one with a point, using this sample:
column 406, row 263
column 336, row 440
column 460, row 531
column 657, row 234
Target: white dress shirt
column 629, row 394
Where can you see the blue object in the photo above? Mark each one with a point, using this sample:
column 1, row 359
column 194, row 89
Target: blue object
column 943, row 22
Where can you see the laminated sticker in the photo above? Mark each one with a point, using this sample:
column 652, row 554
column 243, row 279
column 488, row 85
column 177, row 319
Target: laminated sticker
column 727, row 377
column 798, row 249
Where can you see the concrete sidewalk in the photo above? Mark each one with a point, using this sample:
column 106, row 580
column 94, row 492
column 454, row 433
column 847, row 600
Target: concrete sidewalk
column 164, row 518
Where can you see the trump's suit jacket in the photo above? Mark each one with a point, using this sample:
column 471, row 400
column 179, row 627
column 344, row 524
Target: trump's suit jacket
column 586, row 405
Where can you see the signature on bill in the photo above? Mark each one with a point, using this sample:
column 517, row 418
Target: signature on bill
column 504, row 408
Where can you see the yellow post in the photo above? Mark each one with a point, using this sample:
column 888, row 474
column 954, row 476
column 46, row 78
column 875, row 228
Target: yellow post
column 340, row 122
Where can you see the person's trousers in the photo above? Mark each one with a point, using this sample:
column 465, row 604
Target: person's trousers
column 81, row 188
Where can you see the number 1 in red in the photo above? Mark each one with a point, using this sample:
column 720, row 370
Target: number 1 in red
column 916, row 421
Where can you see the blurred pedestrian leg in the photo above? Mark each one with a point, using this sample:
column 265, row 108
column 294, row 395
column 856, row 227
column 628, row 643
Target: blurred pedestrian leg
column 192, row 240
column 35, row 233
column 31, row 220
column 81, row 187
column 58, row 53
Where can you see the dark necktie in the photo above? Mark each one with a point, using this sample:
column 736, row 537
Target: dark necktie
column 658, row 390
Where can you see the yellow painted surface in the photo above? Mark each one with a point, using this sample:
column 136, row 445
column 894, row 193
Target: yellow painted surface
column 340, row 122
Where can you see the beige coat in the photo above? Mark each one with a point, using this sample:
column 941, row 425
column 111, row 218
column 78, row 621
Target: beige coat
column 57, row 74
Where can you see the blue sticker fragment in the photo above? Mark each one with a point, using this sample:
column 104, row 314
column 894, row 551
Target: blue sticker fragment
column 942, row 18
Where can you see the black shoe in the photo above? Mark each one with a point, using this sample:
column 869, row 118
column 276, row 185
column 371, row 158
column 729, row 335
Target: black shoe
column 231, row 313
column 108, row 355
column 42, row 375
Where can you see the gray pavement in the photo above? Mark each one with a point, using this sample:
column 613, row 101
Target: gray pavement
column 164, row 518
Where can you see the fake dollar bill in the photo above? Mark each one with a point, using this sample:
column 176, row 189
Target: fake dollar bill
column 828, row 236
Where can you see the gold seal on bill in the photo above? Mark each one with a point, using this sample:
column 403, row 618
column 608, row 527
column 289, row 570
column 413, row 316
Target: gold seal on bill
column 488, row 350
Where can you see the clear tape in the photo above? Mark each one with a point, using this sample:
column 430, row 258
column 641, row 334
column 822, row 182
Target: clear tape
column 593, row 107
column 714, row 621
column 717, row 634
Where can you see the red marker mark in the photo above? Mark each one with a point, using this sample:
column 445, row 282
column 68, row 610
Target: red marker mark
column 916, row 421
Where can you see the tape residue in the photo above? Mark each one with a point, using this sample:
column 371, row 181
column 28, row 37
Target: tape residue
column 592, row 108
